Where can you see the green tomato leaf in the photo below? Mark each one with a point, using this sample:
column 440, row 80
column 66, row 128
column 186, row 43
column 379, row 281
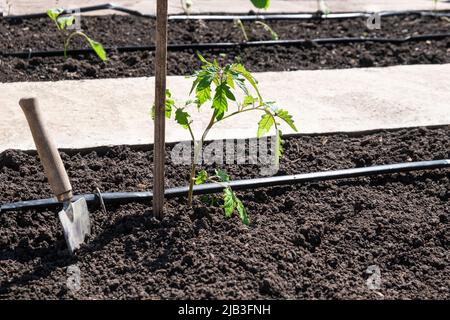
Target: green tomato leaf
column 152, row 112
column 222, row 175
column 202, row 59
column 228, row 202
column 220, row 102
column 202, row 84
column 231, row 203
column 168, row 109
column 240, row 69
column 182, row 118
column 228, row 93
column 194, row 84
column 203, row 96
column 265, row 124
column 249, row 100
column 201, row 177
column 169, row 105
column 98, row 48
column 54, row 13
column 286, row 117
column 242, row 212
column 241, row 84
column 261, row 4
column 206, row 77
column 230, row 80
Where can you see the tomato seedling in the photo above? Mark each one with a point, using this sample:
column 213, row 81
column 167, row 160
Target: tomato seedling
column 62, row 24
column 186, row 5
column 322, row 8
column 218, row 86
column 266, row 27
column 259, row 4
column 435, row 2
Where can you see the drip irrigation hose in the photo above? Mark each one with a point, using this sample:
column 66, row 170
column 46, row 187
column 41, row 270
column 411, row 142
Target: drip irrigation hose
column 265, row 16
column 126, row 197
column 106, row 6
column 224, row 45
column 306, row 16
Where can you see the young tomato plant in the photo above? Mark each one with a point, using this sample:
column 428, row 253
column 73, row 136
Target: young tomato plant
column 218, row 86
column 62, row 24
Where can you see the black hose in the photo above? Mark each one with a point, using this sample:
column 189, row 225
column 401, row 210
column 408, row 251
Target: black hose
column 106, row 6
column 225, row 45
column 126, row 197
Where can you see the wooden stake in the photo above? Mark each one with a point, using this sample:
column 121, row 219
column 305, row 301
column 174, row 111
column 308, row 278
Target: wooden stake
column 160, row 101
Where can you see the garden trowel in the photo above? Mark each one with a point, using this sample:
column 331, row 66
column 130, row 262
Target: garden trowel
column 75, row 215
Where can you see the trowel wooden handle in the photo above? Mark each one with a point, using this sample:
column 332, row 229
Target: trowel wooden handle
column 50, row 158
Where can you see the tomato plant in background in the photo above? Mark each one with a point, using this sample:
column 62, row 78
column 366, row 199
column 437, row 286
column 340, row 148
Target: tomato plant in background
column 63, row 24
column 261, row 4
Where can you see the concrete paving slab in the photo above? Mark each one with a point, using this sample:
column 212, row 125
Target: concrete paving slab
column 15, row 7
column 117, row 111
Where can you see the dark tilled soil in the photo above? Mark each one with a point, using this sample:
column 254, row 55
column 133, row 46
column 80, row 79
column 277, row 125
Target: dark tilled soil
column 115, row 30
column 306, row 241
column 256, row 59
column 268, row 58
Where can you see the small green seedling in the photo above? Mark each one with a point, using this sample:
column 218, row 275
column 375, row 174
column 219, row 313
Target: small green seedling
column 63, row 23
column 266, row 27
column 218, row 86
column 259, row 4
column 323, row 8
column 435, row 2
column 187, row 6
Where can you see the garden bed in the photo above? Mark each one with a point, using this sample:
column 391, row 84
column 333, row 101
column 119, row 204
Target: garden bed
column 118, row 31
column 305, row 241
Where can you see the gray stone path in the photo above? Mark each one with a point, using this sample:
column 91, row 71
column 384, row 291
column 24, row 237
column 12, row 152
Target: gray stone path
column 231, row 6
column 117, row 111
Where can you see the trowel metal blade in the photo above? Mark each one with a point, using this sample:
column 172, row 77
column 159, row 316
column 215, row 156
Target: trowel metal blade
column 76, row 223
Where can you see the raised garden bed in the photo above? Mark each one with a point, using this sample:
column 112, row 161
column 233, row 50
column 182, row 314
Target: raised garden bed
column 310, row 241
column 119, row 31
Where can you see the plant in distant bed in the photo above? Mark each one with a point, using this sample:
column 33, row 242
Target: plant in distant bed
column 259, row 4
column 435, row 2
column 186, row 5
column 63, row 24
column 322, row 8
column 218, row 86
